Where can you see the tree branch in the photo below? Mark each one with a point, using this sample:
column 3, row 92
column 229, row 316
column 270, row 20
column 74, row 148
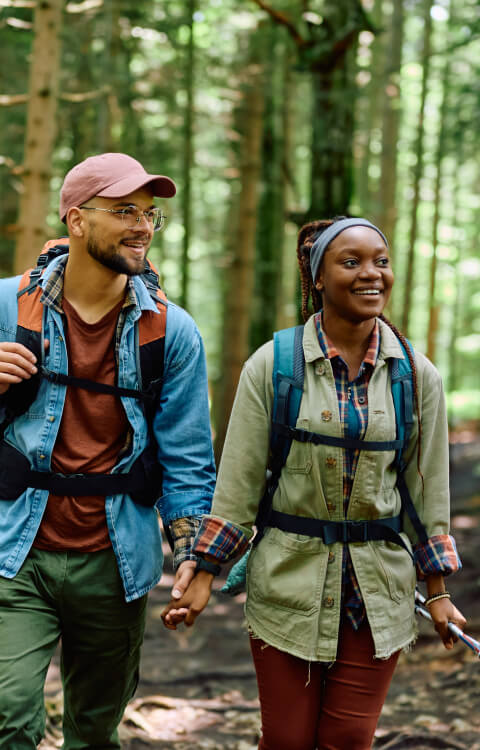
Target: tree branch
column 85, row 96
column 283, row 20
column 13, row 167
column 10, row 100
column 17, row 3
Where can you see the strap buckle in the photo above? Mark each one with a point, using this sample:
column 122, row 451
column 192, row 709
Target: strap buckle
column 355, row 531
column 35, row 273
column 53, row 377
column 42, row 261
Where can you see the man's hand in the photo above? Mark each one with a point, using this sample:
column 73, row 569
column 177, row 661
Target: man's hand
column 443, row 612
column 187, row 604
column 17, row 363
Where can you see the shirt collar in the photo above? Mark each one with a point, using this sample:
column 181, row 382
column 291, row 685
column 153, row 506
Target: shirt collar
column 331, row 352
column 53, row 287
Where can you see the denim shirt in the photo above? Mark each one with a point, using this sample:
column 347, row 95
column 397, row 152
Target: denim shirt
column 181, row 429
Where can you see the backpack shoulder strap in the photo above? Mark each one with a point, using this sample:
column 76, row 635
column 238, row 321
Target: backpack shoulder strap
column 402, row 393
column 151, row 338
column 288, row 375
column 29, row 333
column 52, row 249
column 152, row 327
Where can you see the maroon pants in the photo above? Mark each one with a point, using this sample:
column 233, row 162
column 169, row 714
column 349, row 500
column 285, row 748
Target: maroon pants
column 309, row 708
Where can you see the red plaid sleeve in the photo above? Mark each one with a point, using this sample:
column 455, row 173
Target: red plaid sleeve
column 219, row 539
column 438, row 555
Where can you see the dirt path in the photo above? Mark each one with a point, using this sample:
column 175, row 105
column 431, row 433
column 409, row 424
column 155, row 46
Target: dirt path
column 197, row 687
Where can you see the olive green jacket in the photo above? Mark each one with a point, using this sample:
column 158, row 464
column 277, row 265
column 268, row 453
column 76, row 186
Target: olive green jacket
column 294, row 582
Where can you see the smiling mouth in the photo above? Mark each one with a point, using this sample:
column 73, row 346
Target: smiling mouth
column 134, row 245
column 368, row 292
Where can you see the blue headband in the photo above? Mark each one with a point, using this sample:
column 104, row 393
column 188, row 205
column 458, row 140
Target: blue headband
column 332, row 231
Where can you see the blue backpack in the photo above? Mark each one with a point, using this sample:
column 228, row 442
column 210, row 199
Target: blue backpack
column 288, row 377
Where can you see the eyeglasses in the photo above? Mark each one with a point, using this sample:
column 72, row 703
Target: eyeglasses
column 132, row 215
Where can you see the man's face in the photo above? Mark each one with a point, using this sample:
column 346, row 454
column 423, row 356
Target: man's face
column 119, row 242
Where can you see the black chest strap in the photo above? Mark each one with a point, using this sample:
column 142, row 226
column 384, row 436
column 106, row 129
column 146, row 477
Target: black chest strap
column 304, row 436
column 379, row 529
column 92, row 385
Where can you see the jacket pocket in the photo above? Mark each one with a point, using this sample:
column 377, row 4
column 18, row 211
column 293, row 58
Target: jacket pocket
column 396, row 569
column 299, row 459
column 287, row 571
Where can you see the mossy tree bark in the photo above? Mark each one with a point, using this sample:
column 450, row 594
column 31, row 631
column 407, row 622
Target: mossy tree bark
column 40, row 133
column 241, row 232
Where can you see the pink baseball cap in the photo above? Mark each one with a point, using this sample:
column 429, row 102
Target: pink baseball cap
column 109, row 176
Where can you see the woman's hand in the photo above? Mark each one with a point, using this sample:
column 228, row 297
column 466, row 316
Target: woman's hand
column 443, row 612
column 191, row 603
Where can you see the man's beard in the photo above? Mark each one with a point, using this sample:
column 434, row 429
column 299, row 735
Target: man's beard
column 113, row 260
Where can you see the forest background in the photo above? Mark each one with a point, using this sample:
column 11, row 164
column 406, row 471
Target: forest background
column 267, row 115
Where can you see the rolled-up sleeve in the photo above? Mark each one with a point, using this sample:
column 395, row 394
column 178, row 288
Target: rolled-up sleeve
column 438, row 555
column 427, row 477
column 182, row 532
column 220, row 539
column 426, row 474
column 182, row 423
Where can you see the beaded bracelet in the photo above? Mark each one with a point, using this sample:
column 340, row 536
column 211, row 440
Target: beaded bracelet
column 437, row 597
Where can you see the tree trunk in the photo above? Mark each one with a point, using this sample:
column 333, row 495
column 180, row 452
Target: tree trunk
column 288, row 280
column 271, row 208
column 454, row 361
column 418, row 171
column 188, row 155
column 109, row 112
column 371, row 115
column 433, row 306
column 332, row 137
column 40, row 132
column 327, row 52
column 387, row 214
column 240, row 274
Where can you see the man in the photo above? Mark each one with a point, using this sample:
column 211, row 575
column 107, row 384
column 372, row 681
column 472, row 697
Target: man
column 80, row 545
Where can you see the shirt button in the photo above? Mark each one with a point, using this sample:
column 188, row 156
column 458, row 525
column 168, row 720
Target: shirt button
column 331, row 557
column 51, row 419
column 328, row 602
column 331, row 506
column 42, row 456
column 321, row 369
column 326, row 416
column 361, row 399
column 331, row 462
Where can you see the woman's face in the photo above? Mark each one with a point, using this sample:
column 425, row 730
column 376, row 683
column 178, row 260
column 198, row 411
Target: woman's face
column 355, row 276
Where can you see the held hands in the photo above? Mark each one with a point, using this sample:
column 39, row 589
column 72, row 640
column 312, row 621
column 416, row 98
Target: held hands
column 17, row 363
column 190, row 595
column 443, row 612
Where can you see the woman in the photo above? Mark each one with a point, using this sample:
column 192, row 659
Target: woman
column 327, row 622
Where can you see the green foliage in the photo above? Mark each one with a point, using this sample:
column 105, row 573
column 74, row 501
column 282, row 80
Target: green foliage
column 123, row 87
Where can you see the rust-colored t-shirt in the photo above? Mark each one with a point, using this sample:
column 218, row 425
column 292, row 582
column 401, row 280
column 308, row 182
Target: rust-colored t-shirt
column 92, row 433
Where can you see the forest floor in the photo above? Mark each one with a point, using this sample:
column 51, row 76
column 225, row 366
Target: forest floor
column 197, row 686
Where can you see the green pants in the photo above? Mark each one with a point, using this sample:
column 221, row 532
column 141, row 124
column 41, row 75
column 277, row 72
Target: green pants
column 79, row 598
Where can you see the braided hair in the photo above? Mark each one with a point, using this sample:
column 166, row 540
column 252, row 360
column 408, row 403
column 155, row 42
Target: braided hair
column 306, row 238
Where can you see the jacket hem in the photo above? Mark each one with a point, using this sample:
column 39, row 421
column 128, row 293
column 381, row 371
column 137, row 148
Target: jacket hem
column 285, row 644
column 144, row 590
column 258, row 631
